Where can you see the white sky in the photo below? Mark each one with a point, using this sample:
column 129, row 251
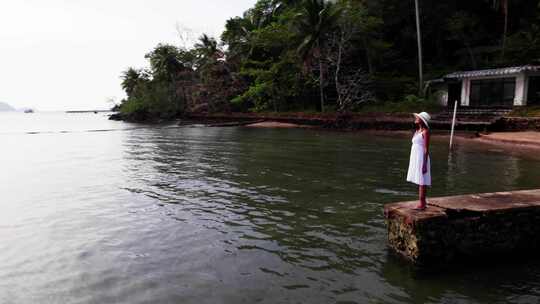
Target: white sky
column 69, row 54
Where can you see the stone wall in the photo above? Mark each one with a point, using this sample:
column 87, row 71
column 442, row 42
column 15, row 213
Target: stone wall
column 516, row 124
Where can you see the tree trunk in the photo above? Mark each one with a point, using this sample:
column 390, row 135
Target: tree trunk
column 505, row 31
column 338, row 69
column 184, row 104
column 473, row 60
column 274, row 102
column 419, row 38
column 368, row 56
column 321, row 80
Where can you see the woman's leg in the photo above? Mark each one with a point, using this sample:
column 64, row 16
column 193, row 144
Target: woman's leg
column 422, row 196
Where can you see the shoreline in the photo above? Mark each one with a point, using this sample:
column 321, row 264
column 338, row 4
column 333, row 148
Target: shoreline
column 512, row 139
column 526, row 138
column 277, row 124
column 348, row 121
column 528, row 145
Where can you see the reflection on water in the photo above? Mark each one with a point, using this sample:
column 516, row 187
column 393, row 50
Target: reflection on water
column 479, row 172
column 232, row 215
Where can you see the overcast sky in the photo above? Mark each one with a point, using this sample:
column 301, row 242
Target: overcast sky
column 69, row 54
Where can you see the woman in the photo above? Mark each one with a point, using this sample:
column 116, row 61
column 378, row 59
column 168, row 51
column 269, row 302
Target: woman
column 419, row 163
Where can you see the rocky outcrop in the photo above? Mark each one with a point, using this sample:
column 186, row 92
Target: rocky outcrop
column 116, row 116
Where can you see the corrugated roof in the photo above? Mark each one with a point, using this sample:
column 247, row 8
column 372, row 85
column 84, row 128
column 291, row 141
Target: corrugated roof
column 494, row 72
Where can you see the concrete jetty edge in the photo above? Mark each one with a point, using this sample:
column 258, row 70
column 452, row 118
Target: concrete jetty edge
column 464, row 226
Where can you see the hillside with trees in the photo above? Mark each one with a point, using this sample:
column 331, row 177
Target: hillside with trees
column 330, row 56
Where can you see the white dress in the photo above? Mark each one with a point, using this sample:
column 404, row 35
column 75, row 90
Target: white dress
column 415, row 175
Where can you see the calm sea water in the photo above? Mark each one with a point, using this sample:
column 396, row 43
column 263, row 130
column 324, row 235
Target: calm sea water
column 95, row 211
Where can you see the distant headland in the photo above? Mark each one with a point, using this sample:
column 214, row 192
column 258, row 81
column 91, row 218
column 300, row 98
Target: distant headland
column 4, row 107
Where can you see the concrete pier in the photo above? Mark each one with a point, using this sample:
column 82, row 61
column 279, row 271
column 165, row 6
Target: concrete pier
column 465, row 226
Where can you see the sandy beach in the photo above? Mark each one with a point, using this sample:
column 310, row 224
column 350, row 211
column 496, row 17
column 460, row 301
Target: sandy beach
column 276, row 124
column 526, row 138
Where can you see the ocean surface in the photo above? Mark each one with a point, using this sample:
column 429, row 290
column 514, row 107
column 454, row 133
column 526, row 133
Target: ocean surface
column 97, row 211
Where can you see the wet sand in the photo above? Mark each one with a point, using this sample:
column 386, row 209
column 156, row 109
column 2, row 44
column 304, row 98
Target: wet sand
column 526, row 138
column 276, row 124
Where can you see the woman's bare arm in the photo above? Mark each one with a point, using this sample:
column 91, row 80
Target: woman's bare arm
column 426, row 150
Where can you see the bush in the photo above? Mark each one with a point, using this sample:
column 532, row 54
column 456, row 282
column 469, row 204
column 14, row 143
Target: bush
column 154, row 99
column 527, row 111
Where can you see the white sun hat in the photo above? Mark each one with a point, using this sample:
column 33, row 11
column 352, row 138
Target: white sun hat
column 424, row 116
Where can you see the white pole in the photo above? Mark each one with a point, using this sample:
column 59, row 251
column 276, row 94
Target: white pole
column 453, row 124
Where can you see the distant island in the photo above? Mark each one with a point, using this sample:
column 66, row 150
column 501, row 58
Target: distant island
column 4, row 107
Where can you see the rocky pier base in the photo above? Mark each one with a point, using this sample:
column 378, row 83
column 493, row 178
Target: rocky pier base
column 474, row 226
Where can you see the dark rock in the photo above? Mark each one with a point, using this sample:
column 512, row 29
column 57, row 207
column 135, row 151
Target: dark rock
column 116, row 116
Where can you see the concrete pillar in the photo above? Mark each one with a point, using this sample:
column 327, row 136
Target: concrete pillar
column 465, row 91
column 520, row 96
column 525, row 91
column 442, row 97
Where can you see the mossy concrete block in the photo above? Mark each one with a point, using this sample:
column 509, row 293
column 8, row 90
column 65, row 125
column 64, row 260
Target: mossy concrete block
column 465, row 226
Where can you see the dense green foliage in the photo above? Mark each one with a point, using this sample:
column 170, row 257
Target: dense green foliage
column 344, row 55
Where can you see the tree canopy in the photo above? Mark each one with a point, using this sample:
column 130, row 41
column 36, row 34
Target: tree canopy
column 319, row 55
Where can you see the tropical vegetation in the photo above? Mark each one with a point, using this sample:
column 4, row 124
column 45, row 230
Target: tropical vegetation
column 318, row 55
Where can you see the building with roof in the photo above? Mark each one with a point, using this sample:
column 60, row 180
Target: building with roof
column 501, row 88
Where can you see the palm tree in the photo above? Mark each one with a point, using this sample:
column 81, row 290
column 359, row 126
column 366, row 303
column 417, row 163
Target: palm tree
column 238, row 36
column 130, row 80
column 241, row 32
column 503, row 6
column 164, row 61
column 208, row 54
column 277, row 7
column 265, row 12
column 207, row 49
column 317, row 18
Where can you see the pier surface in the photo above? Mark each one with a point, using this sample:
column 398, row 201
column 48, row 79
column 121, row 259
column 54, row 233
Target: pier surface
column 477, row 225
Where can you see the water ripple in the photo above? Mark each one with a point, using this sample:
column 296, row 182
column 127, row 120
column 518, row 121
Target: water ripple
column 162, row 214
